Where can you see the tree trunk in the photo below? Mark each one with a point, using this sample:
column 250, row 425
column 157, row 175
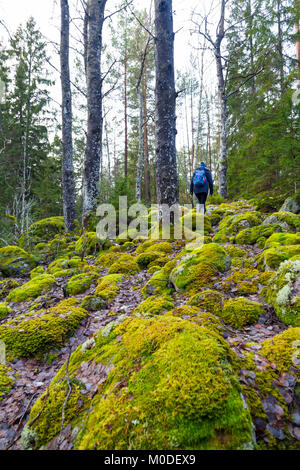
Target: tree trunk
column 141, row 147
column 125, row 113
column 297, row 8
column 95, row 11
column 67, row 145
column 146, row 147
column 165, row 97
column 223, row 105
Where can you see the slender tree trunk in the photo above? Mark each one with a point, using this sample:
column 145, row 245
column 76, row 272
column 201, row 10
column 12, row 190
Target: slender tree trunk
column 297, row 31
column 95, row 11
column 223, row 105
column 141, row 147
column 146, row 147
column 125, row 114
column 280, row 47
column 67, row 145
column 165, row 97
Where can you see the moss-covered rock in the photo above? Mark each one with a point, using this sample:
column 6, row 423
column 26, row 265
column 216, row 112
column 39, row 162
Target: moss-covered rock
column 32, row 289
column 271, row 258
column 231, row 225
column 36, row 272
column 6, row 380
column 4, row 310
column 144, row 259
column 240, row 312
column 88, row 243
column 14, row 260
column 6, row 286
column 235, row 251
column 43, row 230
column 209, row 300
column 108, row 287
column 257, row 234
column 193, row 219
column 126, row 264
column 80, row 283
column 166, row 383
column 198, row 268
column 282, row 239
column 155, row 305
column 288, row 221
column 290, row 205
column 35, row 333
column 92, row 303
column 242, row 281
column 283, row 292
column 163, row 247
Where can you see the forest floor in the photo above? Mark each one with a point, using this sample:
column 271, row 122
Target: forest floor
column 32, row 377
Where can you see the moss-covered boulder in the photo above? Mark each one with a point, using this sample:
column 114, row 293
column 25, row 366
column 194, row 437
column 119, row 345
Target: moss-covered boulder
column 108, row 287
column 242, row 281
column 7, row 285
column 271, row 258
column 164, row 383
column 240, row 312
column 282, row 239
column 125, row 264
column 283, row 292
column 32, row 289
column 209, row 300
column 88, row 244
column 290, row 205
column 144, row 259
column 14, row 260
column 155, row 305
column 6, row 380
column 4, row 309
column 91, row 303
column 34, row 333
column 258, row 234
column 233, row 224
column 193, row 220
column 198, row 268
column 288, row 221
column 43, row 231
column 80, row 283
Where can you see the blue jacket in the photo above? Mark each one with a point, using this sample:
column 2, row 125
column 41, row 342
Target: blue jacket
column 209, row 181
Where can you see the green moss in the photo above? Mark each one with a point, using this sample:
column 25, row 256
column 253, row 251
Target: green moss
column 163, row 247
column 88, row 243
column 282, row 293
column 209, row 300
column 80, row 283
column 35, row 333
column 198, row 268
column 108, row 259
column 144, row 259
column 36, row 272
column 236, row 223
column 7, row 285
column 6, row 380
column 108, row 286
column 235, row 251
column 47, row 427
column 271, row 258
column 155, row 305
column 126, row 264
column 282, row 349
column 242, row 281
column 143, row 246
column 14, row 260
column 240, row 312
column 287, row 220
column 184, row 312
column 4, row 310
column 92, row 303
column 256, row 234
column 158, row 284
column 44, row 230
column 278, row 239
column 32, row 289
column 193, row 218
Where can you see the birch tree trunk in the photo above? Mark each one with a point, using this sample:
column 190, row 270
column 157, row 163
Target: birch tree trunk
column 95, row 12
column 67, row 145
column 165, row 97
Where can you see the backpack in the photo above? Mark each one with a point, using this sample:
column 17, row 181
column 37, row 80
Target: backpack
column 200, row 181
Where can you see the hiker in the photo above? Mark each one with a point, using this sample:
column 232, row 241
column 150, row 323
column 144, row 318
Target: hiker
column 201, row 182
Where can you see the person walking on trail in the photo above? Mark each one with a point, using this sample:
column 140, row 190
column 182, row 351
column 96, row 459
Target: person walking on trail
column 200, row 184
